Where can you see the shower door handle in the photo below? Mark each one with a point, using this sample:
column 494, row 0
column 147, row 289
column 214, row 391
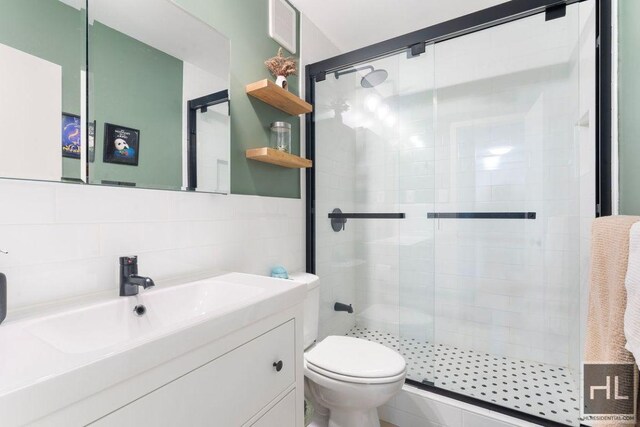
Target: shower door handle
column 481, row 215
column 339, row 218
column 367, row 215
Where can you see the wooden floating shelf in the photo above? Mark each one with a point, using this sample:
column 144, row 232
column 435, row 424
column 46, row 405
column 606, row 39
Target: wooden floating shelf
column 272, row 94
column 277, row 157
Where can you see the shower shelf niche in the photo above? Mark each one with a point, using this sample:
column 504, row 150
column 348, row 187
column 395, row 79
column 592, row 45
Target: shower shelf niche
column 272, row 94
column 277, row 157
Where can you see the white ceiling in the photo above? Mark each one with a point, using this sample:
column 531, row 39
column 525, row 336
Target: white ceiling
column 352, row 24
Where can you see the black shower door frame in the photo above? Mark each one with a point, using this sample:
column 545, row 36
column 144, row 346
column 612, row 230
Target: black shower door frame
column 414, row 43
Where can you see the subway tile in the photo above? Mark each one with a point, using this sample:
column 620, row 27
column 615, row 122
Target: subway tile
column 39, row 244
column 428, row 409
column 404, row 419
column 71, row 236
column 27, row 202
column 469, row 419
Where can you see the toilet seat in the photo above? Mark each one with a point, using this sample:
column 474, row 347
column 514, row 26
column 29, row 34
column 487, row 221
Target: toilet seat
column 353, row 380
column 355, row 360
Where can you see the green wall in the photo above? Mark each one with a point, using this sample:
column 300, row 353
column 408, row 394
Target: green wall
column 629, row 106
column 245, row 23
column 58, row 37
column 136, row 86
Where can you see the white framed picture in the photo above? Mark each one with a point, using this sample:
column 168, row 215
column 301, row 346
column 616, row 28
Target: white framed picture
column 282, row 24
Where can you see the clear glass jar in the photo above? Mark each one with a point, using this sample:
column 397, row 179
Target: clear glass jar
column 281, row 136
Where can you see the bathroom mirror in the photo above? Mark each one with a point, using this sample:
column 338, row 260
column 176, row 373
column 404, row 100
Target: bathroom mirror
column 158, row 98
column 42, row 88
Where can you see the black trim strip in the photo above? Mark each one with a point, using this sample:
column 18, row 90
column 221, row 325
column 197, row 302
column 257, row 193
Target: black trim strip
column 484, row 404
column 310, row 174
column 367, row 215
column 483, row 19
column 604, row 203
column 481, row 215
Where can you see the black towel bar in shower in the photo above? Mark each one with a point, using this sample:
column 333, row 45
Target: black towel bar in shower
column 366, row 215
column 481, row 215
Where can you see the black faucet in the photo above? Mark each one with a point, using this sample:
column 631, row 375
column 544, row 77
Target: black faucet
column 129, row 279
column 343, row 307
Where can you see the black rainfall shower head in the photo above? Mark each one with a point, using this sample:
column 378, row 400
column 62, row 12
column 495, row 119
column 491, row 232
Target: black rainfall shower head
column 371, row 79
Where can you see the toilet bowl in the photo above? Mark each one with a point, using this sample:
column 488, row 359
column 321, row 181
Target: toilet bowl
column 346, row 378
column 351, row 378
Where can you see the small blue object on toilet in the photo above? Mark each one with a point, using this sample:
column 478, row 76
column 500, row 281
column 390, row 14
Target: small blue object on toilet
column 279, row 272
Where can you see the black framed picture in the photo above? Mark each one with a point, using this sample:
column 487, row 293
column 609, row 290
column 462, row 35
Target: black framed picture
column 121, row 145
column 71, row 132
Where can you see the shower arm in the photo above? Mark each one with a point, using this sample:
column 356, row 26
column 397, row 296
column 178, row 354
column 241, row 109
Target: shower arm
column 353, row 70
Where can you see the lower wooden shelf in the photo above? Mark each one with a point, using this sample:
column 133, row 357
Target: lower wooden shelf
column 277, row 157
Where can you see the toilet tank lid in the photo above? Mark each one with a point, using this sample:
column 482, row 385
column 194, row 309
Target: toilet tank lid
column 311, row 280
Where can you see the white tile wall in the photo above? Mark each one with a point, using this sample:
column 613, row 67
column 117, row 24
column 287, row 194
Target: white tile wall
column 337, row 261
column 332, row 250
column 418, row 408
column 505, row 141
column 64, row 240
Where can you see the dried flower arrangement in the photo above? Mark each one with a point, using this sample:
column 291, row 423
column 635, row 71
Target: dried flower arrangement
column 280, row 65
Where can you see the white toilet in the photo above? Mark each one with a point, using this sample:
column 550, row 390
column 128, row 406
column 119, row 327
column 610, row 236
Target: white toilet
column 348, row 377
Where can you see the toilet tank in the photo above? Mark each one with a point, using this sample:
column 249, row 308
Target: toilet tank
column 311, row 306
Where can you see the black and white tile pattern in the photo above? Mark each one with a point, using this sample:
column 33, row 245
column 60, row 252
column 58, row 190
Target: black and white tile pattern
column 539, row 389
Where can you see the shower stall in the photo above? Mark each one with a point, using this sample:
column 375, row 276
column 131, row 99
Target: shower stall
column 450, row 202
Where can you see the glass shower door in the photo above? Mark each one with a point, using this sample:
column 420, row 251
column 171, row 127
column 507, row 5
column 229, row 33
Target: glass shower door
column 416, row 186
column 370, row 125
column 506, row 216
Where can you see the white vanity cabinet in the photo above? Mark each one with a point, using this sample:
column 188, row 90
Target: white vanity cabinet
column 232, row 390
column 223, row 351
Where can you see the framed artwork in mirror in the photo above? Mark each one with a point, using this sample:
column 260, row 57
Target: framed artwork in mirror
column 91, row 142
column 121, row 145
column 71, row 132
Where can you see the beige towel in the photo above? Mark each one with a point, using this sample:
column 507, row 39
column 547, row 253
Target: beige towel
column 605, row 340
column 632, row 286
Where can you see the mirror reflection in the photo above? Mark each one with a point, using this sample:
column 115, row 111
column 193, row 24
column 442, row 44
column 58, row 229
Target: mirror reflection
column 158, row 109
column 152, row 111
column 42, row 62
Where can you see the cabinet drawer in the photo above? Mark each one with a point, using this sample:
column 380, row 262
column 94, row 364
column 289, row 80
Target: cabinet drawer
column 227, row 391
column 283, row 413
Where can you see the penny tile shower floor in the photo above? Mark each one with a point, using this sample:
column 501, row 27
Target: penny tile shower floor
column 547, row 391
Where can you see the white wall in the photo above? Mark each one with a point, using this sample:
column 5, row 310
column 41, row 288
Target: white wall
column 213, row 148
column 508, row 144
column 197, row 83
column 30, row 116
column 336, row 259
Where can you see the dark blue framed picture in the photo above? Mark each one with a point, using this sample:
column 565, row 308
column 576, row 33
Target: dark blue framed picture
column 121, row 145
column 71, row 133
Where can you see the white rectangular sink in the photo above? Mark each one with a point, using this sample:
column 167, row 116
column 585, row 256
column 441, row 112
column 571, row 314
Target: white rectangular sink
column 107, row 342
column 112, row 323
